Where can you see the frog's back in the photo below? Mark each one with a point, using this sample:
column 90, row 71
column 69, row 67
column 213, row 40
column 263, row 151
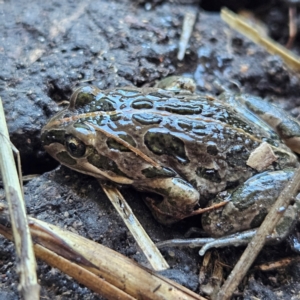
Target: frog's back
column 203, row 140
column 190, row 136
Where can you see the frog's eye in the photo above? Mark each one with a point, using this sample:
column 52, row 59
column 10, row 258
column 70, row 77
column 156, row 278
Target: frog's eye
column 74, row 146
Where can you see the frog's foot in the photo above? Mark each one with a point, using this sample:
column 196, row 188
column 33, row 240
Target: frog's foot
column 165, row 213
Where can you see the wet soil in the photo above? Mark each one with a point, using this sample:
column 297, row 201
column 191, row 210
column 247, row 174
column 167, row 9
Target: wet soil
column 49, row 48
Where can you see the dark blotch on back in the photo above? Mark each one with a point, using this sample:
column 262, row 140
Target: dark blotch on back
column 113, row 144
column 166, row 143
column 147, row 119
column 258, row 219
column 209, row 174
column 104, row 163
column 184, row 124
column 103, row 104
column 212, row 150
column 154, row 172
column 81, row 124
column 237, row 155
column 179, row 107
column 116, row 117
column 142, row 104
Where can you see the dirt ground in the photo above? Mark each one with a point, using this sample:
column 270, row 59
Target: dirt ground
column 49, row 48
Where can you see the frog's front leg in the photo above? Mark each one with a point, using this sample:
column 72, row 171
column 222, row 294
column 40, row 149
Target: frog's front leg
column 174, row 198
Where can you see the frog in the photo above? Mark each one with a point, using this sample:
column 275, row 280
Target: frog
column 184, row 149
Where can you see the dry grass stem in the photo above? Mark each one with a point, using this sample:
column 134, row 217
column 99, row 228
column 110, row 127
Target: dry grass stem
column 21, row 235
column 282, row 263
column 241, row 25
column 153, row 255
column 101, row 269
column 187, row 29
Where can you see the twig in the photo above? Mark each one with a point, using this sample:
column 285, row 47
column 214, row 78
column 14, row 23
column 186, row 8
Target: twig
column 22, row 239
column 258, row 241
column 240, row 24
column 153, row 255
column 282, row 263
column 187, row 29
column 292, row 26
column 209, row 208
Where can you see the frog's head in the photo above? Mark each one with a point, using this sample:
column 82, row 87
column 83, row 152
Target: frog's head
column 72, row 138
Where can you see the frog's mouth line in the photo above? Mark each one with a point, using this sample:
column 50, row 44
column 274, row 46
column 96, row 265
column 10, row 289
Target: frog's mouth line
column 83, row 166
column 94, row 171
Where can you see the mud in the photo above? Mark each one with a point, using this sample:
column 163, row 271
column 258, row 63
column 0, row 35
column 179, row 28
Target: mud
column 49, row 48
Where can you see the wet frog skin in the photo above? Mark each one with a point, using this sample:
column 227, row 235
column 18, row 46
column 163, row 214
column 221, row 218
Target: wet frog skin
column 183, row 148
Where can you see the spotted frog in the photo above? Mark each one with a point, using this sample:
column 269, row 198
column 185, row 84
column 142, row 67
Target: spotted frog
column 184, row 149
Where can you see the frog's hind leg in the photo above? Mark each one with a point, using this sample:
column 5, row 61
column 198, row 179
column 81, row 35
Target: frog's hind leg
column 287, row 127
column 281, row 231
column 248, row 204
column 173, row 200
